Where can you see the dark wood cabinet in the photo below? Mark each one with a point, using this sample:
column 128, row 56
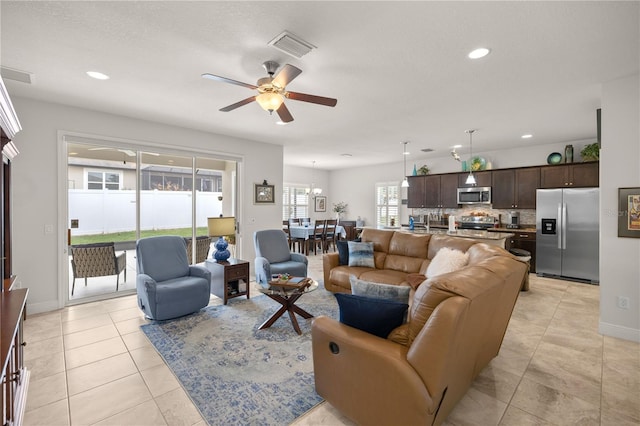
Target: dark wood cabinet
column 440, row 191
column 349, row 229
column 229, row 279
column 483, row 178
column 515, row 188
column 576, row 175
column 525, row 241
column 14, row 377
column 416, row 192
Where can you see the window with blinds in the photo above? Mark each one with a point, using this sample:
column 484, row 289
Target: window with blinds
column 387, row 203
column 295, row 202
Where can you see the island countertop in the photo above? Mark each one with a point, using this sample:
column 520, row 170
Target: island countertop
column 464, row 233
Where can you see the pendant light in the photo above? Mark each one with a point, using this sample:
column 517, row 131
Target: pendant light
column 471, row 180
column 405, row 181
column 314, row 191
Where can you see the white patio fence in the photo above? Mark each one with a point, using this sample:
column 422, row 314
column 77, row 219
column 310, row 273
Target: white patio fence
column 104, row 212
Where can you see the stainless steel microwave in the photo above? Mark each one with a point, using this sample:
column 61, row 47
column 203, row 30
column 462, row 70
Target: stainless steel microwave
column 475, row 195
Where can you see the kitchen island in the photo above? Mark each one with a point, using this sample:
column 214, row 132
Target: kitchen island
column 493, row 238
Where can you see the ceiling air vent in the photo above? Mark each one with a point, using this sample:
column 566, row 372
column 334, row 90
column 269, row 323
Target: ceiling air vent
column 426, row 150
column 17, row 75
column 291, row 44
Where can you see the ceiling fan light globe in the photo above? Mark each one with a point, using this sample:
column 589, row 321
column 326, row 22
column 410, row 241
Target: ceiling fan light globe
column 317, row 191
column 269, row 101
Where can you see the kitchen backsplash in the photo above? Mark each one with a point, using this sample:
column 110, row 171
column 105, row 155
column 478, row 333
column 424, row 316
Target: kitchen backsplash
column 527, row 216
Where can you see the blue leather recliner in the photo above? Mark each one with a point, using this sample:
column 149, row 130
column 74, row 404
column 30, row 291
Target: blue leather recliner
column 274, row 257
column 167, row 286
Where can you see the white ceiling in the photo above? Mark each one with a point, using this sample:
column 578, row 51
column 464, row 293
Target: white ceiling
column 398, row 69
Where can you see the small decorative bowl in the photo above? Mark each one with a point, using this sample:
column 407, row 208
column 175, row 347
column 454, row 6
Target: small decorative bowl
column 554, row 158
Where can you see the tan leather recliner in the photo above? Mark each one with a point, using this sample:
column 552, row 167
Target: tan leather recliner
column 424, row 367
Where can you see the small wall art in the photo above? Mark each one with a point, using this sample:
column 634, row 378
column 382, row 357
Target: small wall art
column 629, row 212
column 321, row 203
column 264, row 193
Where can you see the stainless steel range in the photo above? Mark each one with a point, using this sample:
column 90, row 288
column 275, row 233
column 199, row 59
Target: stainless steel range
column 477, row 222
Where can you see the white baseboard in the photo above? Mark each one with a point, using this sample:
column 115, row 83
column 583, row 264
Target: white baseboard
column 619, row 331
column 37, row 308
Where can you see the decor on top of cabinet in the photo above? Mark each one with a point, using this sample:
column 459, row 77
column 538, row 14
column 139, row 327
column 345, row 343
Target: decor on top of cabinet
column 568, row 154
column 340, row 208
column 554, row 158
column 424, row 170
column 591, row 152
column 478, row 163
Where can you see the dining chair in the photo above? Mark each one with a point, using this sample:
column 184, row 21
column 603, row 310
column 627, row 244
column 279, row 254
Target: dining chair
column 300, row 242
column 317, row 238
column 330, row 235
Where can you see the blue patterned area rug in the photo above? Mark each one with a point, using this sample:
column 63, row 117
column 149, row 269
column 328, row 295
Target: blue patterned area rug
column 239, row 375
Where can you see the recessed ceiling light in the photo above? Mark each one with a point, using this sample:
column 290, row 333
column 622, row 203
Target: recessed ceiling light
column 479, row 53
column 457, row 146
column 526, row 136
column 97, row 75
column 73, row 153
column 346, row 155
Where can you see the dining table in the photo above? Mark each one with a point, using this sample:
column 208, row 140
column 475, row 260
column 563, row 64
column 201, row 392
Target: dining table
column 303, row 232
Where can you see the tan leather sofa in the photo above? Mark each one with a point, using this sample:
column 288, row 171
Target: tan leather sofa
column 416, row 375
column 396, row 255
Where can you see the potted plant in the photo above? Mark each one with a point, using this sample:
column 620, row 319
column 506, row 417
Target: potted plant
column 591, row 152
column 340, row 208
column 424, row 170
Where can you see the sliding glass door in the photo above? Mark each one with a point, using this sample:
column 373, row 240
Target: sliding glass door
column 117, row 195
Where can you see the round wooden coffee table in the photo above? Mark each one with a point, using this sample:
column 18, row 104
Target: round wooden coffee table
column 287, row 298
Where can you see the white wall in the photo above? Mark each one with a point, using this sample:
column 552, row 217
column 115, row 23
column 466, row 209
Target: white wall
column 619, row 168
column 35, row 191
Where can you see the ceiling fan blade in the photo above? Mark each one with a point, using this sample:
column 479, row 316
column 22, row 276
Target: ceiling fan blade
column 312, row 98
column 285, row 115
column 286, row 75
column 228, row 80
column 238, row 104
column 128, row 152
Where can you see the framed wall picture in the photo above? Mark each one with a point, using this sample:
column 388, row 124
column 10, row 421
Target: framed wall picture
column 321, row 203
column 629, row 212
column 263, row 193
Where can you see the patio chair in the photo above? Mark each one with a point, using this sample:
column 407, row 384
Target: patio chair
column 203, row 244
column 97, row 260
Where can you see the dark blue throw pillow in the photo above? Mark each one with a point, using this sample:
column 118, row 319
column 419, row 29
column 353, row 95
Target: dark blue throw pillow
column 343, row 251
column 375, row 316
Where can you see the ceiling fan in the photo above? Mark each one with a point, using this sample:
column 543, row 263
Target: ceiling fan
column 272, row 91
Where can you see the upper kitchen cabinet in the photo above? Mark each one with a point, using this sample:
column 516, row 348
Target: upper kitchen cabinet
column 416, row 192
column 441, row 191
column 515, row 188
column 483, row 178
column 574, row 175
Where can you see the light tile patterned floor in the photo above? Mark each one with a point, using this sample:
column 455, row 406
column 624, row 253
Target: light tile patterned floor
column 91, row 364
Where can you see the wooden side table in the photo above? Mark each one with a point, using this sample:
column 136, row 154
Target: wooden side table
column 229, row 279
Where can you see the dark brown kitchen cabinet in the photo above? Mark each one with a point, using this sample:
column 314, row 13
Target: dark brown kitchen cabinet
column 416, row 192
column 525, row 241
column 515, row 188
column 483, row 178
column 575, row 175
column 440, row 191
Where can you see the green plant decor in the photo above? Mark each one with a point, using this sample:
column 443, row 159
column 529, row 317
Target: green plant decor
column 591, row 152
column 424, row 170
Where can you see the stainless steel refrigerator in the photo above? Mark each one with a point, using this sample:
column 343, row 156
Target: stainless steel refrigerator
column 567, row 233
